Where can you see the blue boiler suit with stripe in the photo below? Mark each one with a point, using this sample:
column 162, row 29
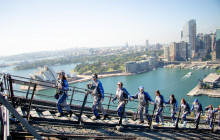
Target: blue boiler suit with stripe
column 62, row 98
column 98, row 95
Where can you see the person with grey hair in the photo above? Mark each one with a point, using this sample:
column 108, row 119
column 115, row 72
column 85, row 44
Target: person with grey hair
column 144, row 99
column 62, row 88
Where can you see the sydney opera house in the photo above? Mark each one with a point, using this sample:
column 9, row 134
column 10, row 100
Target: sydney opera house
column 46, row 74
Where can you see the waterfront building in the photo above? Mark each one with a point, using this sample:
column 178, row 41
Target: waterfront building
column 44, row 74
column 218, row 44
column 188, row 35
column 172, row 51
column 135, row 67
column 166, row 53
column 130, row 67
column 212, row 80
column 152, row 61
column 142, row 65
column 182, row 51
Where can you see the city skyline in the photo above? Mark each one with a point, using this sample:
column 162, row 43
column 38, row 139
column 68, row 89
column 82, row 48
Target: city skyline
column 31, row 26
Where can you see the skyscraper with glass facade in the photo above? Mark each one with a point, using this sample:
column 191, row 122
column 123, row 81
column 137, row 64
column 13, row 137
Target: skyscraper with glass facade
column 218, row 44
column 188, row 35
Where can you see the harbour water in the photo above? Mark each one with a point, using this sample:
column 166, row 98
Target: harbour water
column 168, row 81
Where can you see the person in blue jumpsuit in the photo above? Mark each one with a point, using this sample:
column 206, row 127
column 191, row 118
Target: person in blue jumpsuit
column 185, row 110
column 197, row 108
column 173, row 108
column 210, row 115
column 218, row 110
column 98, row 94
column 144, row 99
column 159, row 101
column 62, row 88
column 123, row 96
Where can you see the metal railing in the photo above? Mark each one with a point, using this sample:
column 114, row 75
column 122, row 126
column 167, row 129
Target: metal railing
column 80, row 96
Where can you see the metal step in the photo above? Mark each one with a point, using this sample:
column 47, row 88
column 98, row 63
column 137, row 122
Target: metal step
column 85, row 119
column 47, row 115
column 34, row 113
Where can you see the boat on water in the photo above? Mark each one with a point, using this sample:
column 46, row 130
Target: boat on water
column 189, row 74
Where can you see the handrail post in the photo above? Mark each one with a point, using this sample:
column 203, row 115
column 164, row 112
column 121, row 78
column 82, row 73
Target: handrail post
column 28, row 91
column 20, row 119
column 29, row 108
column 83, row 105
column 11, row 90
column 177, row 121
column 109, row 102
column 72, row 95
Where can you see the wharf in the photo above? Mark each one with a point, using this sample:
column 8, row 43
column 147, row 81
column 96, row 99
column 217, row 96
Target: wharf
column 209, row 92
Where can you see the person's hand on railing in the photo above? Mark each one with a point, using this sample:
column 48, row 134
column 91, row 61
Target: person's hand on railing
column 131, row 99
column 102, row 99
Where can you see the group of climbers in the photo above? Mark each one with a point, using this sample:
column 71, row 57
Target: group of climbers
column 123, row 96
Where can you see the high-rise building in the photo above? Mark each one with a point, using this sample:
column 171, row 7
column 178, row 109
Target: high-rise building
column 182, row 51
column 213, row 41
column 207, row 43
column 147, row 44
column 188, row 35
column 166, row 53
column 172, row 51
column 200, row 45
column 218, row 44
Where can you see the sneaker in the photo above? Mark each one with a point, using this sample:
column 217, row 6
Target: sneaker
column 71, row 113
column 60, row 115
column 105, row 116
column 95, row 117
column 124, row 121
column 140, row 122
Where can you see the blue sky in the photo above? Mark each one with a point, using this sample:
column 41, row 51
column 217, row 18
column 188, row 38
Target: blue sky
column 29, row 26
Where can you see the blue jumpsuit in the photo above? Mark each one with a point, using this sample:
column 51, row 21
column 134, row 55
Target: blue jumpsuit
column 144, row 98
column 159, row 100
column 98, row 94
column 120, row 95
column 185, row 109
column 197, row 109
column 210, row 116
column 63, row 96
column 173, row 109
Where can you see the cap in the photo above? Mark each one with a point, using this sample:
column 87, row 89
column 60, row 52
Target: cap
column 61, row 72
column 196, row 100
column 141, row 87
